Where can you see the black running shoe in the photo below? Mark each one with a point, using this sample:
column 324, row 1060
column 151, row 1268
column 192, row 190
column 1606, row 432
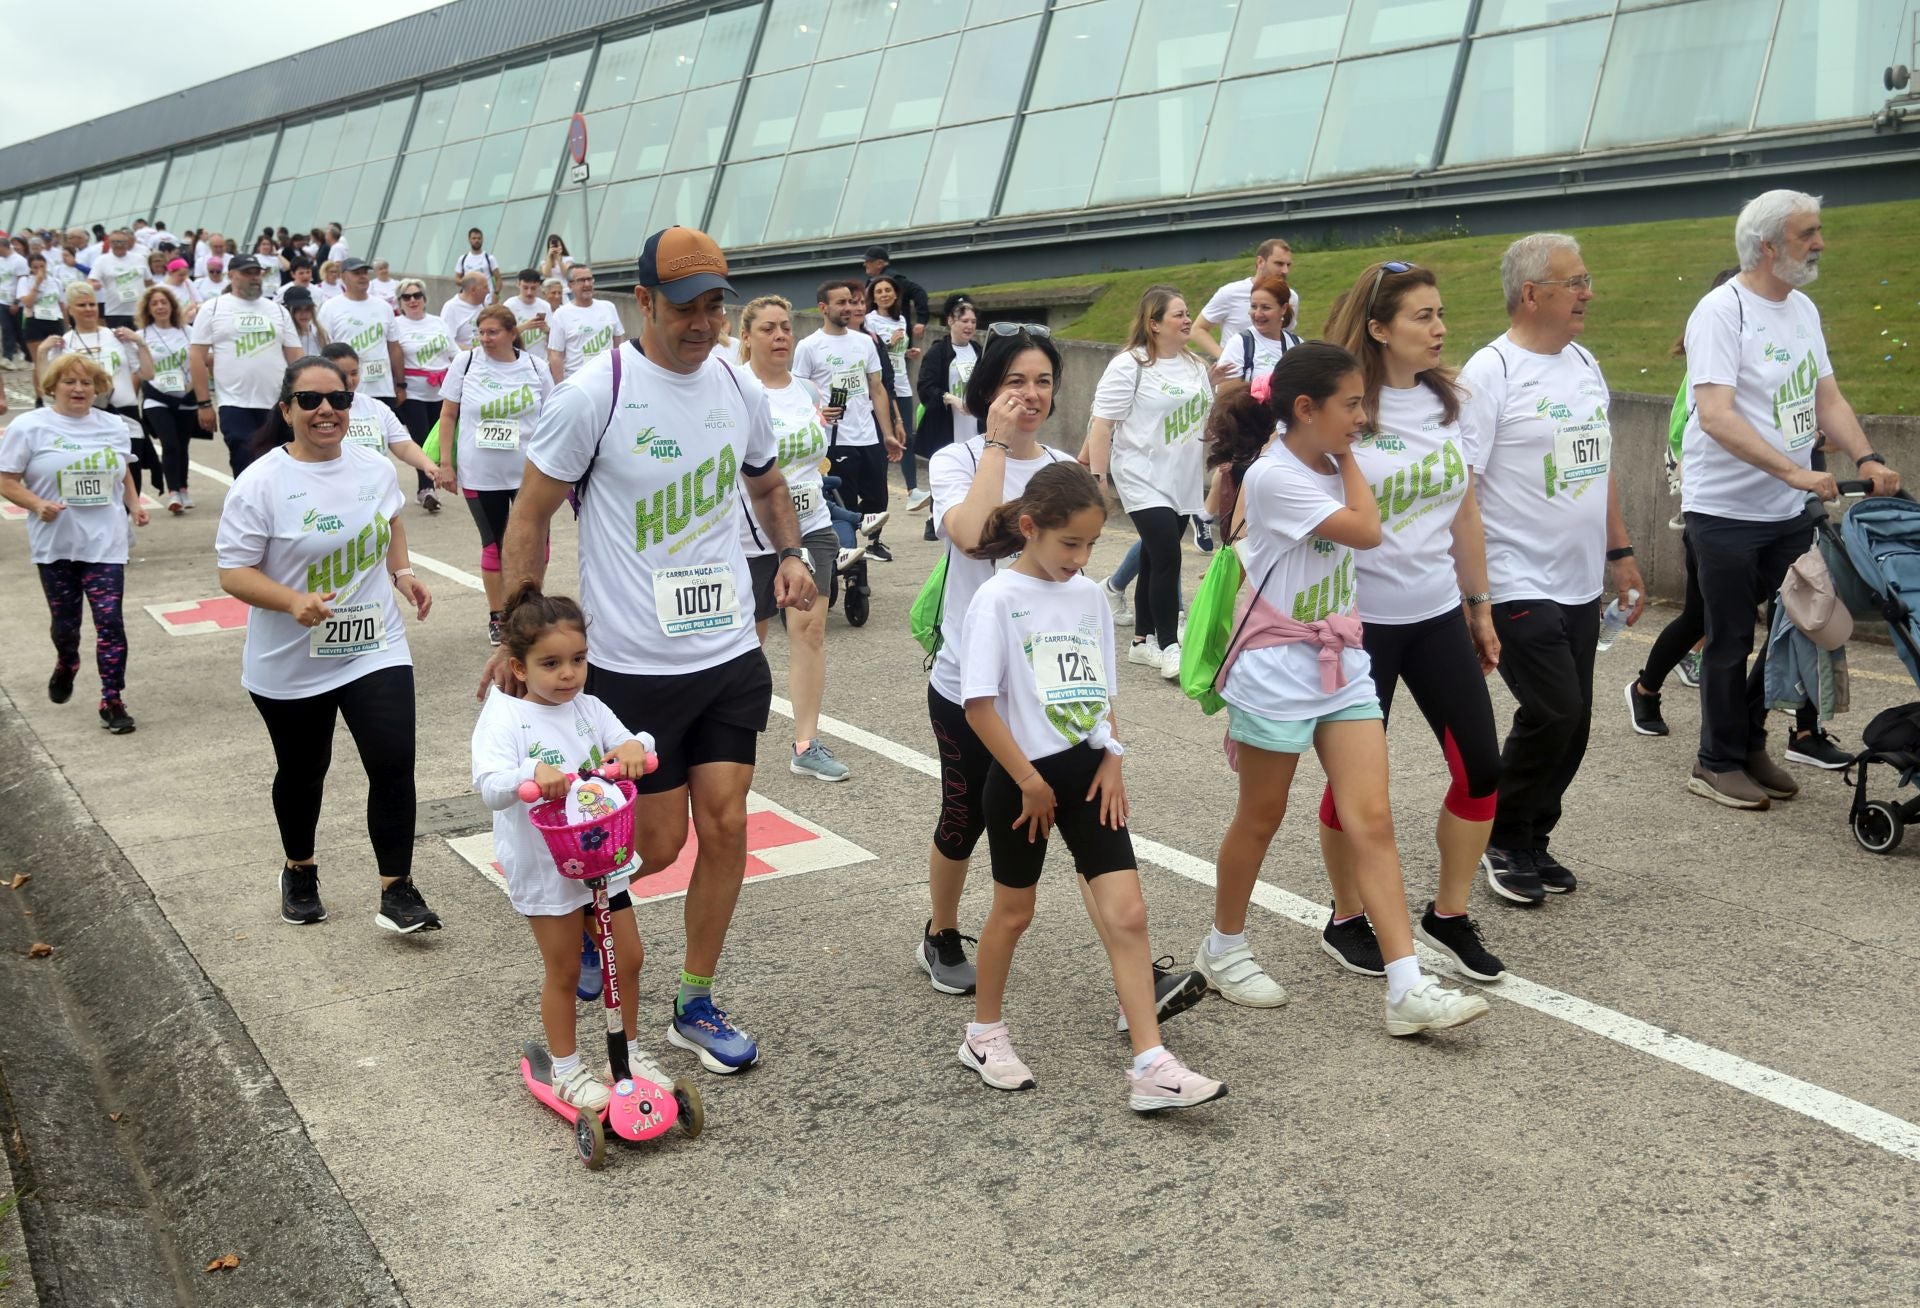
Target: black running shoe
column 403, row 910
column 1351, row 944
column 300, row 895
column 1554, row 879
column 1458, row 939
column 1174, row 991
column 875, row 550
column 115, row 718
column 60, row 685
column 1645, row 709
column 1510, row 875
column 928, row 533
column 1815, row 749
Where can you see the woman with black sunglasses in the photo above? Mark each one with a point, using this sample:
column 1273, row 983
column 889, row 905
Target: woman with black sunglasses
column 310, row 537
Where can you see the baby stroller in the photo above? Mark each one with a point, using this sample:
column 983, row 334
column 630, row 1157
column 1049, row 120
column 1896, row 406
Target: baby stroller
column 1873, row 556
column 856, row 605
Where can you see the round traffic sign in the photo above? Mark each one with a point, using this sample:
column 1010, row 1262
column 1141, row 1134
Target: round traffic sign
column 577, row 139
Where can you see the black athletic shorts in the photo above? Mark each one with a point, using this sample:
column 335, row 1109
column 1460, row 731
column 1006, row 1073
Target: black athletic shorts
column 714, row 715
column 823, row 551
column 1097, row 849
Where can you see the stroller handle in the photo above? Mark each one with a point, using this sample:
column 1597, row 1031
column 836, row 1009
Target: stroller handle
column 1854, row 489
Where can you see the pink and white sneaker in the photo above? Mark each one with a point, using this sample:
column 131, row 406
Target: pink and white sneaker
column 1169, row 1083
column 991, row 1055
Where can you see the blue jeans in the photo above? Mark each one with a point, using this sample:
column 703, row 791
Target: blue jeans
column 844, row 519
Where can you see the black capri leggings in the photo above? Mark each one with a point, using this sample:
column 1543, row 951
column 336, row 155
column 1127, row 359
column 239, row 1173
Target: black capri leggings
column 379, row 711
column 171, row 428
column 1097, row 849
column 1680, row 635
column 1156, row 596
column 963, row 778
column 1436, row 659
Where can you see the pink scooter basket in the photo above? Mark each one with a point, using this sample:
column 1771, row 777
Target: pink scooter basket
column 597, row 847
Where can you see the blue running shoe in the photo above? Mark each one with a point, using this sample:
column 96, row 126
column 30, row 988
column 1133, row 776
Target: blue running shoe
column 708, row 1032
column 591, row 979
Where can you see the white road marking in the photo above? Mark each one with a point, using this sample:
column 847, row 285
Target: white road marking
column 426, row 561
column 1863, row 1122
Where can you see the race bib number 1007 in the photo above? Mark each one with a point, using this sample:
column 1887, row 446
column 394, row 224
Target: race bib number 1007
column 687, row 601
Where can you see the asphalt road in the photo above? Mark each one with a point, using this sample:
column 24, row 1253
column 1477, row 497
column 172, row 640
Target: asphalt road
column 1700, row 1086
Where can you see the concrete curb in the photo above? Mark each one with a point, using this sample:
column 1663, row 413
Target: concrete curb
column 208, row 1157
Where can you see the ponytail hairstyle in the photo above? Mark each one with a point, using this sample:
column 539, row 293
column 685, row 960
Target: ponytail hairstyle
column 751, row 313
column 529, row 615
column 277, row 431
column 1375, row 298
column 1243, row 418
column 1056, row 493
column 1146, row 316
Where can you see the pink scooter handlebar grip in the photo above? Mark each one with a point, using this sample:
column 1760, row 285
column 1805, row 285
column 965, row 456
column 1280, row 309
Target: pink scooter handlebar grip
column 529, row 791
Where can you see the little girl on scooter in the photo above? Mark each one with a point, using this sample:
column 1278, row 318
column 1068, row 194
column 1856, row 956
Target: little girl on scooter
column 1036, row 668
column 556, row 729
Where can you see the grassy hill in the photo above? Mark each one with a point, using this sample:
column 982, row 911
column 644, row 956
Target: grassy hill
column 1647, row 277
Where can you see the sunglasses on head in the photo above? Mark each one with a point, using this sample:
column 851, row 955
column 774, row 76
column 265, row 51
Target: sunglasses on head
column 341, row 401
column 1017, row 328
column 1394, row 266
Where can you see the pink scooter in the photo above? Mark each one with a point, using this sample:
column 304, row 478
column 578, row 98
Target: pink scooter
column 639, row 1110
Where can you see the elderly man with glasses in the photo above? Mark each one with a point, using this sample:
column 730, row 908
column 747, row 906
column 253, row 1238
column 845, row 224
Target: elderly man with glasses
column 1538, row 405
column 583, row 328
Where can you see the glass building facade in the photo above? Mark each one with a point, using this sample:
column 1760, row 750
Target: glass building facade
column 788, row 123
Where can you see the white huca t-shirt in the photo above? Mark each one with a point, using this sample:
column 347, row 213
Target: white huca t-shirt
column 1159, row 416
column 579, row 334
column 46, row 307
column 121, row 279
column 107, row 350
column 367, row 326
column 316, row 527
column 1773, row 354
column 384, row 288
column 1043, row 652
column 185, row 294
column 661, row 570
column 800, row 442
column 1266, row 352
column 12, row 269
column 884, row 327
column 1539, row 444
column 1304, row 576
column 426, row 345
column 1229, row 307
column 169, row 347
column 846, row 361
column 523, row 310
column 511, row 737
column 1416, row 463
column 371, row 424
column 950, row 474
column 249, row 340
column 499, row 404
column 459, row 316
column 82, row 463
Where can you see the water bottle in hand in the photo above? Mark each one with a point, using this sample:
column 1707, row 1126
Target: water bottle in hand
column 1614, row 620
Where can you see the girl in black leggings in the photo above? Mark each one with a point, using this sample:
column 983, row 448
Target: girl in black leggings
column 310, row 537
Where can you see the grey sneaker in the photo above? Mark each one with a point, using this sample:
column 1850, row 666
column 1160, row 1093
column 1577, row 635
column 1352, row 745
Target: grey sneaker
column 942, row 955
column 816, row 762
column 1734, row 788
column 1689, row 669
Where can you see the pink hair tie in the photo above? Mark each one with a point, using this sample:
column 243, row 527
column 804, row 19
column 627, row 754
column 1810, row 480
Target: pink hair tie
column 1261, row 388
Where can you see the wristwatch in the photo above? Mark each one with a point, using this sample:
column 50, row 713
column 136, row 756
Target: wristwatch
column 793, row 552
column 1479, row 597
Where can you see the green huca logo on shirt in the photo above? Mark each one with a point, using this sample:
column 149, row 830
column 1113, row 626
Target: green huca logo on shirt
column 664, row 449
column 98, row 461
column 1181, row 423
column 597, row 342
column 1332, row 594
column 1777, row 353
column 505, row 405
column 696, row 494
column 326, row 523
column 367, row 339
column 803, row 446
column 365, row 552
column 255, row 335
column 1800, row 383
column 1427, row 484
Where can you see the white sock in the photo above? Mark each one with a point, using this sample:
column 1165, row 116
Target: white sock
column 565, row 1067
column 1218, row 944
column 636, row 1054
column 1403, row 974
column 1143, row 1060
column 979, row 1028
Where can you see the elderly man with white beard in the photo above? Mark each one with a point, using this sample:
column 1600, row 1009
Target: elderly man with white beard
column 1763, row 391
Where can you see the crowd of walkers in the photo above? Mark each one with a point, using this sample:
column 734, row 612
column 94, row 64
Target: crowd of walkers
column 1382, row 521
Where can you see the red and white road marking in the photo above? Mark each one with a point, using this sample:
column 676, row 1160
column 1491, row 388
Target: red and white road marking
column 200, row 617
column 780, row 843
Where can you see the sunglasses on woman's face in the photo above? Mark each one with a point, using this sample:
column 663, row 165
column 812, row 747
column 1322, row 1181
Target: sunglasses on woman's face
column 340, row 401
column 413, row 295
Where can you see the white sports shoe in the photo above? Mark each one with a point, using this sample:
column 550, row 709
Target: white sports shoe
column 919, row 499
column 1430, row 1006
column 1238, row 978
column 850, row 557
column 1169, row 1083
column 1116, row 603
column 1170, row 662
column 583, row 1090
column 1145, row 652
column 186, row 498
column 871, row 524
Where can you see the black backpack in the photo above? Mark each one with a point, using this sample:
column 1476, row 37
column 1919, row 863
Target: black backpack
column 1894, row 731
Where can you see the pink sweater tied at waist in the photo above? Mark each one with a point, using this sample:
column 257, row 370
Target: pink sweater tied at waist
column 1266, row 626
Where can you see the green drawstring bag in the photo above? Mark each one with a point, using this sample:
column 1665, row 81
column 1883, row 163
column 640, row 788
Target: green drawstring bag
column 1210, row 629
column 431, row 447
column 929, row 606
